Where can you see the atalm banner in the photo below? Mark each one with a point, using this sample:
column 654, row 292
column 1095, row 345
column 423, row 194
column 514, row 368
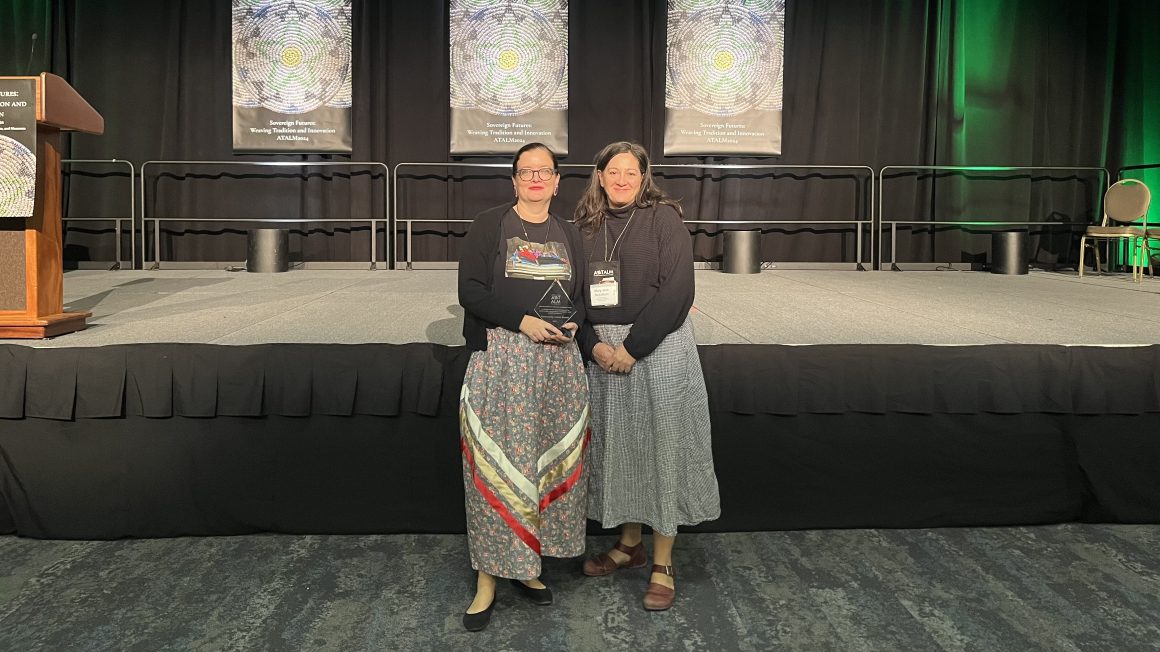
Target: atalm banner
column 17, row 147
column 723, row 77
column 509, row 75
column 292, row 75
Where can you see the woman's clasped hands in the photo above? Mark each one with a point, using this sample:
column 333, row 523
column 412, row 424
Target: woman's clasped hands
column 613, row 360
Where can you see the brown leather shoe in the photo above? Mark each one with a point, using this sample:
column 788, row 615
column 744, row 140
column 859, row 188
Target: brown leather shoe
column 659, row 597
column 604, row 564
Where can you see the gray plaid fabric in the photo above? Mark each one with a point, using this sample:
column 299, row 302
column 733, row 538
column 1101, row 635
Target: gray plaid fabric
column 651, row 456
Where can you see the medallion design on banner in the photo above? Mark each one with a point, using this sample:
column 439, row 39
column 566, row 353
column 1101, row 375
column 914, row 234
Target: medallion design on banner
column 509, row 75
column 509, row 59
column 723, row 81
column 292, row 58
column 17, row 179
column 285, row 59
column 17, row 146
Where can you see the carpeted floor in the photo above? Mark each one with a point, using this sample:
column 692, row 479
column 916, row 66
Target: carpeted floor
column 1064, row 587
column 773, row 307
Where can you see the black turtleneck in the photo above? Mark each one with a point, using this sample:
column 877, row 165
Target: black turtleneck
column 656, row 275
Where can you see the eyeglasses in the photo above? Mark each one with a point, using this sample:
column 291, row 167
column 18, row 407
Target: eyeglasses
column 544, row 174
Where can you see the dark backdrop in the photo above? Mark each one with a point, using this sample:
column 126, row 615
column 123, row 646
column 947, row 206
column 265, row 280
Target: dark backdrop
column 867, row 82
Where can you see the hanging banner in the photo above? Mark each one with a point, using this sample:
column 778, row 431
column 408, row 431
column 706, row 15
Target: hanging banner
column 723, row 77
column 292, row 75
column 509, row 75
column 17, row 147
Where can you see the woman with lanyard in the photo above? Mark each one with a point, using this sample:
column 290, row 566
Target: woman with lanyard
column 651, row 454
column 523, row 408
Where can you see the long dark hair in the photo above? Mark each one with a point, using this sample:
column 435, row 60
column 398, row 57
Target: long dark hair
column 589, row 215
column 528, row 148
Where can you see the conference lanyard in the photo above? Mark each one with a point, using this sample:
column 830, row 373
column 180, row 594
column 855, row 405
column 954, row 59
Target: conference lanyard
column 604, row 279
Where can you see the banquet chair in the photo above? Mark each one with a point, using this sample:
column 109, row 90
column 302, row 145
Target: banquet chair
column 1125, row 218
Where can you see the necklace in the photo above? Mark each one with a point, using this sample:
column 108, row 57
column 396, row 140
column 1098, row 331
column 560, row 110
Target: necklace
column 617, row 242
column 527, row 237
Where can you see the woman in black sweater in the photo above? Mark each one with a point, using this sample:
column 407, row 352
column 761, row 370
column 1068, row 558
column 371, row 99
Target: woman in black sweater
column 651, row 453
column 523, row 409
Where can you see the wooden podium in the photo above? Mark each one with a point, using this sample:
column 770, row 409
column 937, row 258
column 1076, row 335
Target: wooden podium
column 31, row 249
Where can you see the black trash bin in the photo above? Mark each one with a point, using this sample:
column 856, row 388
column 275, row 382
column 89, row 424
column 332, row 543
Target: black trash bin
column 1009, row 251
column 268, row 250
column 742, row 252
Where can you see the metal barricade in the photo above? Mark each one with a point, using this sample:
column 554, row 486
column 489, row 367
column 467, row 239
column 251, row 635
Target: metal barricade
column 857, row 223
column 882, row 221
column 1120, row 177
column 409, row 261
column 373, row 221
column 115, row 220
column 1143, row 166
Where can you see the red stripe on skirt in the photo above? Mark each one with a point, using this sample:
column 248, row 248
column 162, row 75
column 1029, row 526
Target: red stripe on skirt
column 496, row 504
column 563, row 488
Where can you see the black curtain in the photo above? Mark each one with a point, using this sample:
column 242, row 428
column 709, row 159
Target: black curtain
column 867, row 82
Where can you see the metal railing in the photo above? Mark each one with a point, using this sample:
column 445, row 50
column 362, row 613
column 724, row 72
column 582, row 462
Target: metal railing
column 391, row 217
column 410, row 221
column 1142, row 166
column 1120, row 176
column 115, row 220
column 882, row 221
column 373, row 221
column 857, row 223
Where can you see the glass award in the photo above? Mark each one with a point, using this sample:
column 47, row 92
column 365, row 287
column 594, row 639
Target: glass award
column 555, row 307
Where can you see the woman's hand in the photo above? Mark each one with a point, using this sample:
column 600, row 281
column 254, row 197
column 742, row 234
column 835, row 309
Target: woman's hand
column 569, row 331
column 541, row 332
column 621, row 362
column 602, row 353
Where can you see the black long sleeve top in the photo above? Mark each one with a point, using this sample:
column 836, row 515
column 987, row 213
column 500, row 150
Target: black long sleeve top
column 656, row 276
column 488, row 304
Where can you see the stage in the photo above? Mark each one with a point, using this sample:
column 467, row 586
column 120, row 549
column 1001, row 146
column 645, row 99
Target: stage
column 773, row 307
column 214, row 402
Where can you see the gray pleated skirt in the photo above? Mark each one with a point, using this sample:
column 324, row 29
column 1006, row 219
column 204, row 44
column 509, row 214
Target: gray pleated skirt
column 651, row 455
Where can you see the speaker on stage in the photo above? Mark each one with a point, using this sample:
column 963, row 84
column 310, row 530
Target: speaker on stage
column 268, row 250
column 1009, row 251
column 742, row 252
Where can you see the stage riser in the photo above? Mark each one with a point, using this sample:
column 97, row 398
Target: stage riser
column 156, row 440
column 139, row 477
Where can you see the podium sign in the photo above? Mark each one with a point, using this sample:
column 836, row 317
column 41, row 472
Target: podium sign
column 31, row 248
column 17, row 147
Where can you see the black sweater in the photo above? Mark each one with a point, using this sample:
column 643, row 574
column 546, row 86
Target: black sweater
column 656, row 276
column 482, row 307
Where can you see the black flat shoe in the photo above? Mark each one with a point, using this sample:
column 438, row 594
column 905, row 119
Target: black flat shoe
column 542, row 597
column 477, row 622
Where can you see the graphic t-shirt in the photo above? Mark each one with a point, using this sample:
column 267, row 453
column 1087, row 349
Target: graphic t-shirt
column 531, row 256
column 536, row 260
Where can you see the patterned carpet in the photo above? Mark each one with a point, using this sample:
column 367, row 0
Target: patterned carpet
column 1065, row 587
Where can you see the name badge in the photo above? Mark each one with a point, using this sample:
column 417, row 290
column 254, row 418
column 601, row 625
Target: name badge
column 604, row 285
